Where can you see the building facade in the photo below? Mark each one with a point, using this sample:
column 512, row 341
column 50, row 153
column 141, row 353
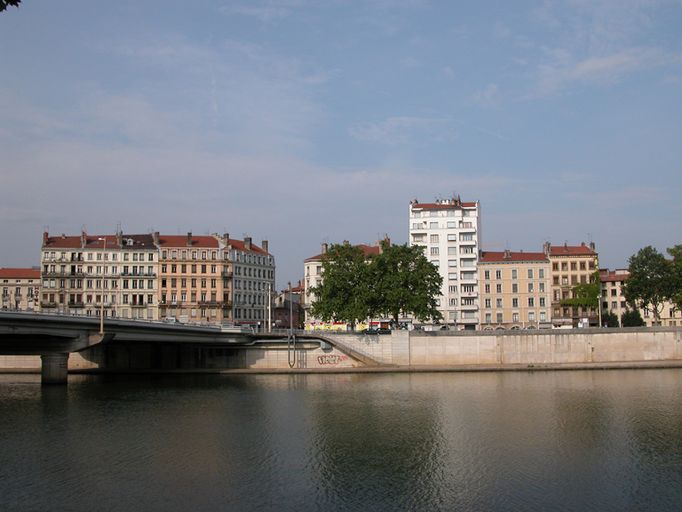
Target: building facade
column 613, row 301
column 571, row 265
column 449, row 230
column 116, row 274
column 20, row 289
column 515, row 290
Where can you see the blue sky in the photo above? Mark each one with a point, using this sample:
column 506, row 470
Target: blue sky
column 308, row 121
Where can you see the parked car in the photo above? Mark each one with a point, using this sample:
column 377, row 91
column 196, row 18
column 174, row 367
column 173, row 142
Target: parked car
column 376, row 330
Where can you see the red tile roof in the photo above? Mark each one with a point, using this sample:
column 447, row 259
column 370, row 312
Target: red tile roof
column 94, row 242
column 239, row 245
column 19, row 273
column 181, row 241
column 499, row 257
column 606, row 276
column 571, row 250
column 367, row 250
column 440, row 206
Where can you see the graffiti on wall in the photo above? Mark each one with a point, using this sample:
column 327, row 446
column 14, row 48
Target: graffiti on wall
column 331, row 359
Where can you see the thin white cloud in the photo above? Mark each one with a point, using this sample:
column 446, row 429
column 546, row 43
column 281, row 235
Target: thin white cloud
column 405, row 129
column 488, row 96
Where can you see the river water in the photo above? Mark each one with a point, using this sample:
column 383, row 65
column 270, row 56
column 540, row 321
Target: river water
column 565, row 440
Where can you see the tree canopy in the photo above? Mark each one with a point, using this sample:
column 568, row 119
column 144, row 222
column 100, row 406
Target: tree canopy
column 676, row 276
column 632, row 318
column 399, row 280
column 651, row 280
column 4, row 4
column 404, row 281
column 585, row 295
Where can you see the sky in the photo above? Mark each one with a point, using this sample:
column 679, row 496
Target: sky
column 301, row 122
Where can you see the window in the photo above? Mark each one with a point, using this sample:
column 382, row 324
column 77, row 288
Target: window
column 452, row 276
column 530, row 287
column 433, row 225
column 452, row 263
column 542, row 287
column 531, row 316
column 452, row 224
column 486, row 275
column 541, row 273
column 498, row 288
column 542, row 302
column 543, row 317
column 452, row 251
column 452, row 238
column 498, row 274
column 515, row 288
column 514, row 274
column 433, row 239
column 498, row 303
column 499, row 318
column 515, row 302
column 487, row 303
column 531, row 302
column 515, row 317
column 434, row 251
column 487, row 288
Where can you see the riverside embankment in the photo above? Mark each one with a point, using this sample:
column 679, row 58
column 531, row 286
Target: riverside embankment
column 399, row 351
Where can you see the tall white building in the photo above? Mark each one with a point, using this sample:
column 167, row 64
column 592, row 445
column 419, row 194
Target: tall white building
column 450, row 232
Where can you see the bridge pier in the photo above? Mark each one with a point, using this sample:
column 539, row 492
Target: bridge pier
column 54, row 368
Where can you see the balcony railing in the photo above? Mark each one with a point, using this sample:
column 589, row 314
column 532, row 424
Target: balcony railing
column 48, row 304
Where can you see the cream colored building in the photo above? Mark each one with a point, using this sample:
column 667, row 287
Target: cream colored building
column 82, row 275
column 449, row 230
column 571, row 265
column 20, row 289
column 613, row 300
column 515, row 290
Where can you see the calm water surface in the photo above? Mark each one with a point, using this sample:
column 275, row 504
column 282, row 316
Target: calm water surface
column 579, row 440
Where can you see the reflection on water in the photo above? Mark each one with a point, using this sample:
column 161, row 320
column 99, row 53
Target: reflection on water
column 600, row 440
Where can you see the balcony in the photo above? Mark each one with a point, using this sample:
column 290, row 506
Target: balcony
column 210, row 303
column 227, row 273
column 48, row 305
column 76, row 304
column 467, row 242
column 139, row 305
column 469, row 307
column 468, row 320
column 468, row 294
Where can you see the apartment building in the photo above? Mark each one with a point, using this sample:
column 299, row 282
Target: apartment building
column 191, row 278
column 613, row 300
column 81, row 275
column 254, row 280
column 20, row 289
column 450, row 232
column 571, row 265
column 515, row 290
column 312, row 271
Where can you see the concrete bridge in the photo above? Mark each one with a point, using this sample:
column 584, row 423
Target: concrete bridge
column 54, row 337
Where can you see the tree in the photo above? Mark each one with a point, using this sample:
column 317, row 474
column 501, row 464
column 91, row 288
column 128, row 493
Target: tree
column 585, row 295
column 343, row 294
column 403, row 281
column 609, row 319
column 676, row 276
column 4, row 4
column 650, row 282
column 632, row 318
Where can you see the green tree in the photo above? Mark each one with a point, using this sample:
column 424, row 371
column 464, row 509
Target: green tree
column 403, row 281
column 4, row 4
column 632, row 318
column 609, row 319
column 650, row 282
column 343, row 294
column 676, row 276
column 585, row 295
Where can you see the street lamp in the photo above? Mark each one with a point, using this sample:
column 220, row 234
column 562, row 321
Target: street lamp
column 599, row 308
column 291, row 311
column 101, row 292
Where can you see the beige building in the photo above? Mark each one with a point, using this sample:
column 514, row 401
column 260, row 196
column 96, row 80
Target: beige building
column 82, row 275
column 191, row 272
column 613, row 300
column 571, row 265
column 515, row 290
column 20, row 289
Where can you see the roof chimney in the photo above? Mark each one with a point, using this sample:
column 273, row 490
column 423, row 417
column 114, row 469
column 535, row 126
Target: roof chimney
column 247, row 243
column 46, row 235
column 507, row 254
column 546, row 247
column 325, row 248
column 592, row 246
column 189, row 239
column 156, row 237
column 264, row 245
column 119, row 238
column 84, row 238
column 226, row 238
